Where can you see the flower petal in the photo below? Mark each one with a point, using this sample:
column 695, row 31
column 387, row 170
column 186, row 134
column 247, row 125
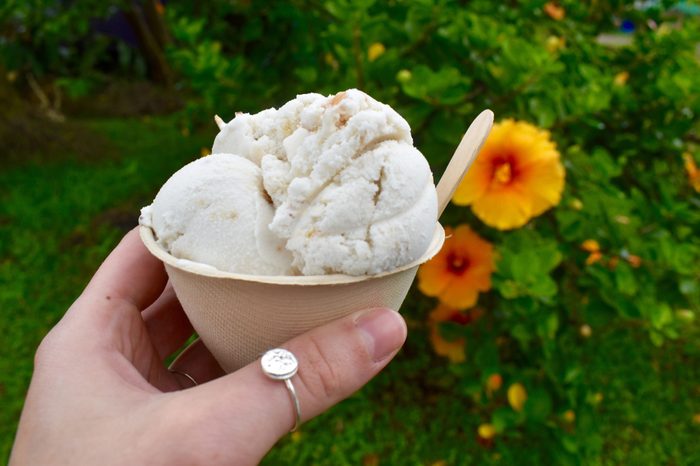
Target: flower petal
column 459, row 294
column 441, row 313
column 433, row 277
column 544, row 182
column 504, row 209
column 475, row 182
column 478, row 179
column 453, row 350
column 480, row 278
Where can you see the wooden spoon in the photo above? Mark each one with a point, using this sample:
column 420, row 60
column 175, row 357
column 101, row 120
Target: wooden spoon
column 463, row 157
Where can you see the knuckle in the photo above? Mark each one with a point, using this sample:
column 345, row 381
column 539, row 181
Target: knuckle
column 319, row 378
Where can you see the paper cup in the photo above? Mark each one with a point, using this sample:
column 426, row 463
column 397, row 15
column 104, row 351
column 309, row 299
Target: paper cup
column 239, row 316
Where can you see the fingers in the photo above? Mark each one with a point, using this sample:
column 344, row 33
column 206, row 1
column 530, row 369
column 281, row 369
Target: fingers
column 334, row 361
column 167, row 323
column 129, row 273
column 197, row 362
column 107, row 315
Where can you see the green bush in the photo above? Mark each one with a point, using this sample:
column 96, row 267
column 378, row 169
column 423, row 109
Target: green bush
column 583, row 299
column 621, row 250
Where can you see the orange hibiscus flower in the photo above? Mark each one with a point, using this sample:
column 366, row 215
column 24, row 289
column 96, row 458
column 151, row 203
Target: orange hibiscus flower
column 693, row 172
column 451, row 349
column 554, row 11
column 460, row 270
column 517, row 176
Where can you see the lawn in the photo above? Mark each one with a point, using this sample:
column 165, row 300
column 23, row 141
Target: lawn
column 60, row 217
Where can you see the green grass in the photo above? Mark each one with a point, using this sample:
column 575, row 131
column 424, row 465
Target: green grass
column 59, row 219
column 414, row 413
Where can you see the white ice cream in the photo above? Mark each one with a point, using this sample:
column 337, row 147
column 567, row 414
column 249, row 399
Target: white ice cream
column 214, row 211
column 351, row 193
column 321, row 185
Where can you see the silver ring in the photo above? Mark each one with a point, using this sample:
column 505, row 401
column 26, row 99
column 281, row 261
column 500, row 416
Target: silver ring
column 184, row 374
column 280, row 364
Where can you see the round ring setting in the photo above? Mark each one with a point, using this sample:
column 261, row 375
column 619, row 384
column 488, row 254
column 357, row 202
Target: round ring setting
column 280, row 364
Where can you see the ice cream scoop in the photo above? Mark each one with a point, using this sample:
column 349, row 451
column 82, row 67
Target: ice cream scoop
column 351, row 193
column 214, row 211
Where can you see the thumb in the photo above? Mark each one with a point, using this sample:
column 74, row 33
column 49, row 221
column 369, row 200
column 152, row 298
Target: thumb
column 334, row 361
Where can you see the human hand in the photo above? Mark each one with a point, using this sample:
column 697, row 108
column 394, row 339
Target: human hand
column 100, row 393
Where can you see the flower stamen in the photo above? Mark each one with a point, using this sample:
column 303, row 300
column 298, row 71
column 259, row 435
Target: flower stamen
column 457, row 264
column 503, row 173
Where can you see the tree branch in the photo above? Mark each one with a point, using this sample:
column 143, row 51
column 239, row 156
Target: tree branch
column 52, row 112
column 158, row 67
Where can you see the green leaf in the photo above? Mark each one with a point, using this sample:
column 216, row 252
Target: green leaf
column 538, row 405
column 486, row 357
column 543, row 287
column 569, row 443
column 509, row 289
column 547, row 327
column 544, row 111
column 448, row 127
column 624, row 279
column 604, row 164
column 451, row 331
column 572, row 374
column 526, row 261
column 656, row 338
column 522, row 334
column 503, row 418
column 660, row 315
column 446, row 86
column 307, row 74
column 472, row 388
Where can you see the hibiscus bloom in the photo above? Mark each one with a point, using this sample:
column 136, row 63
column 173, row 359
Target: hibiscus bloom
column 451, row 349
column 460, row 270
column 517, row 176
column 554, row 11
column 693, row 172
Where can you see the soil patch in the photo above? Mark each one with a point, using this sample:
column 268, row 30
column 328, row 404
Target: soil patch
column 126, row 99
column 27, row 135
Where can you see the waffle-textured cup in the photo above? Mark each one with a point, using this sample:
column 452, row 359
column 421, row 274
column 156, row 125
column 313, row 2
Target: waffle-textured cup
column 239, row 316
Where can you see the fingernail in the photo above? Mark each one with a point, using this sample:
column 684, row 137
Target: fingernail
column 383, row 332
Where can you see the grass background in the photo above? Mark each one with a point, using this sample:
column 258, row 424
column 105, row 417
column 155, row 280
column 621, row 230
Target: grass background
column 60, row 214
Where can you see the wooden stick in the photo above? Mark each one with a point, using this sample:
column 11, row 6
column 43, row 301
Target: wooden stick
column 219, row 122
column 51, row 112
column 463, row 157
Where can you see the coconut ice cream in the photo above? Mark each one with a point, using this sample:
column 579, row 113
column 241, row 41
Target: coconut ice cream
column 322, row 185
column 214, row 211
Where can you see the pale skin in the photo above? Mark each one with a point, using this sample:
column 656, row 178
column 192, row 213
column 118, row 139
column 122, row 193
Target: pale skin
column 101, row 393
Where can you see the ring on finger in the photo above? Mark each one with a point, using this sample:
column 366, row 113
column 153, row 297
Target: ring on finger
column 184, row 374
column 280, row 364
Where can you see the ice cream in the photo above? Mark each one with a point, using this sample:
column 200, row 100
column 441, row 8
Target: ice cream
column 214, row 211
column 350, row 194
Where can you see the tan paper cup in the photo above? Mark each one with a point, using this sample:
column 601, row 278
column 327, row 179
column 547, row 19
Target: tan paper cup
column 239, row 316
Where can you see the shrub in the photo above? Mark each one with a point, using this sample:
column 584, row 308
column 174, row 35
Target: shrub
column 620, row 249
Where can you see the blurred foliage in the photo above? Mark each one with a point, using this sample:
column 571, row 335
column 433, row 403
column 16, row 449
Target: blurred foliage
column 60, row 215
column 600, row 341
column 53, row 37
column 621, row 116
